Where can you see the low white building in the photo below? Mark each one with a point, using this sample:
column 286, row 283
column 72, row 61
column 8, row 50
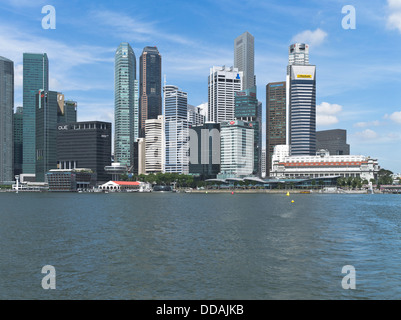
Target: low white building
column 124, row 186
column 323, row 165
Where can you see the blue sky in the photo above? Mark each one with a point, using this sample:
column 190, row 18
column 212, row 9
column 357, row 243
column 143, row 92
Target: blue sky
column 358, row 70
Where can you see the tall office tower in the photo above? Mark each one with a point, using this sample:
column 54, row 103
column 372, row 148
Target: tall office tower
column 124, row 102
column 237, row 152
column 205, row 150
column 244, row 58
column 17, row 124
column 46, row 132
column 35, row 78
column 6, row 119
column 176, row 128
column 302, row 102
column 335, row 141
column 223, row 84
column 150, row 90
column 275, row 119
column 85, row 145
column 67, row 110
column 195, row 116
column 154, row 145
column 247, row 108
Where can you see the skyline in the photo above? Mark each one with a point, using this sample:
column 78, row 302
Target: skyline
column 357, row 72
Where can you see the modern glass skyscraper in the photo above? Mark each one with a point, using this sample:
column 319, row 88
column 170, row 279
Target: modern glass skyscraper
column 6, row 119
column 17, row 124
column 223, row 84
column 150, row 87
column 302, row 101
column 124, row 103
column 275, row 119
column 244, row 58
column 176, row 130
column 247, row 108
column 46, row 133
column 35, row 78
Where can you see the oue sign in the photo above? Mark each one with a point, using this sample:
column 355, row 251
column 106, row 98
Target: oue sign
column 63, row 127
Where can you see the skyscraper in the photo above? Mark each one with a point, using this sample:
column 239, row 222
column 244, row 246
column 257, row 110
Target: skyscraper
column 6, row 119
column 275, row 119
column 248, row 109
column 154, row 145
column 223, row 84
column 237, row 150
column 17, row 124
column 150, row 90
column 46, row 133
column 176, row 127
column 124, row 103
column 335, row 141
column 244, row 58
column 300, row 101
column 35, row 78
column 302, row 120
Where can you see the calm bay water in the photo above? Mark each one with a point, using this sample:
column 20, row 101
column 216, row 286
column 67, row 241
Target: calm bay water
column 199, row 246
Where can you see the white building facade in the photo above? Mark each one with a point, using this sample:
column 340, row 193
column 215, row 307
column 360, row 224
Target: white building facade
column 237, row 148
column 223, row 84
column 154, row 145
column 323, row 165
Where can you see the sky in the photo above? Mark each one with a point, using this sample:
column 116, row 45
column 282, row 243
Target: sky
column 358, row 69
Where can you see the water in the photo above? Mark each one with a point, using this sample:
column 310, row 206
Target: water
column 199, row 246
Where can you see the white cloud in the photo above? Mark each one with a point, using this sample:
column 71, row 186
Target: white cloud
column 313, row 38
column 394, row 18
column 367, row 124
column 395, row 116
column 367, row 134
column 326, row 113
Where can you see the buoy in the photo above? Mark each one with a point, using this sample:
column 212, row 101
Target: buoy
column 232, row 192
column 292, row 201
column 288, row 194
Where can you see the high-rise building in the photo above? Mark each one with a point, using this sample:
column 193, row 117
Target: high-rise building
column 205, row 150
column 154, row 145
column 6, row 119
column 275, row 119
column 150, row 90
column 17, row 124
column 244, row 58
column 302, row 113
column 263, row 164
column 223, row 84
column 248, row 109
column 46, row 132
column 335, row 141
column 237, row 151
column 124, row 103
column 35, row 78
column 85, row 145
column 176, row 128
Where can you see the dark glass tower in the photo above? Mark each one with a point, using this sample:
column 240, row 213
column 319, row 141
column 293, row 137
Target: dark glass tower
column 46, row 133
column 18, row 116
column 35, row 78
column 275, row 119
column 150, row 89
column 6, row 119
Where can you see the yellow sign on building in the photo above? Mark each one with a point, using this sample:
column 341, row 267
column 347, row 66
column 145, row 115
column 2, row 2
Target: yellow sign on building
column 304, row 76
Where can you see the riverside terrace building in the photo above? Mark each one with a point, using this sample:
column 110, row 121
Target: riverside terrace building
column 70, row 180
column 325, row 165
column 85, row 145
